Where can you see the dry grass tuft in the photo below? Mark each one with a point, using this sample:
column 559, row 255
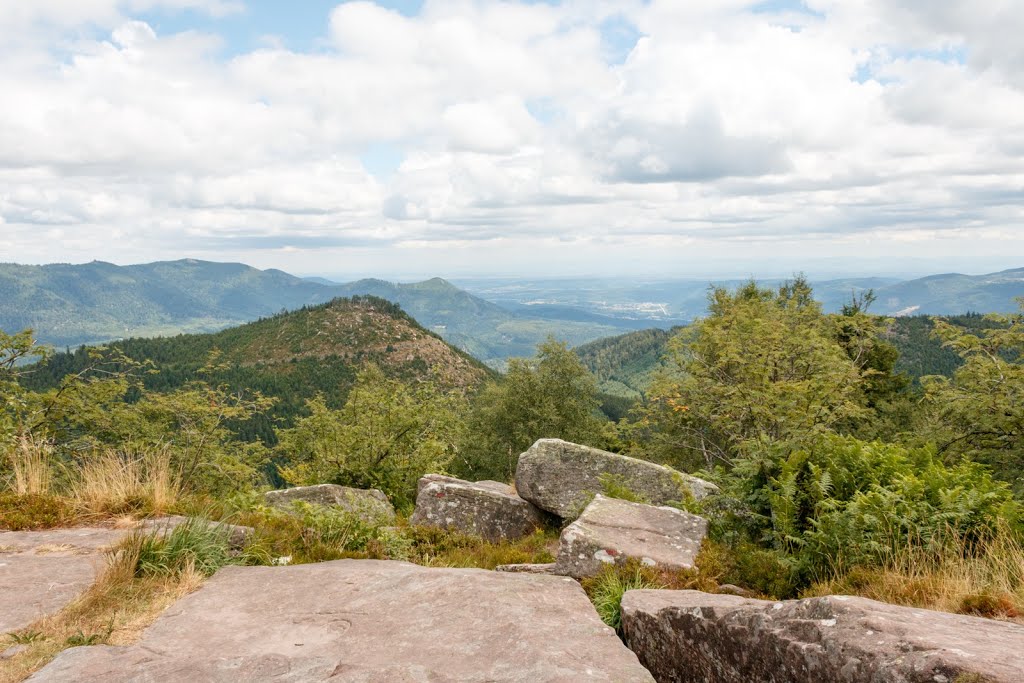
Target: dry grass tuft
column 122, row 481
column 985, row 580
column 32, row 464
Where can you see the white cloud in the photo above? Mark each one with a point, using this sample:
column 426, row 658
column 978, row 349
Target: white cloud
column 725, row 135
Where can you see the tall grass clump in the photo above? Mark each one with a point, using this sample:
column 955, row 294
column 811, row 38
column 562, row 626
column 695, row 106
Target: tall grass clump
column 194, row 546
column 118, row 481
column 607, row 588
column 31, row 462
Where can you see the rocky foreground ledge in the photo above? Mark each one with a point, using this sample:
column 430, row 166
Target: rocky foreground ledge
column 694, row 636
column 367, row 621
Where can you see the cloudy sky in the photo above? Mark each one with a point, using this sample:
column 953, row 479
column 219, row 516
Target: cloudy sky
column 475, row 137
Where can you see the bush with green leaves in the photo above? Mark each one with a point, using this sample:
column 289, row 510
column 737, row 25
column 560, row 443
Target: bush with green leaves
column 550, row 396
column 32, row 511
column 979, row 412
column 386, row 436
column 837, row 502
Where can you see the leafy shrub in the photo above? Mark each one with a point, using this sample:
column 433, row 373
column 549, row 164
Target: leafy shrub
column 386, row 436
column 32, row 511
column 838, row 503
column 305, row 532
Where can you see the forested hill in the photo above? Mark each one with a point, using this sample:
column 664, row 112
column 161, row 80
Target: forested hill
column 292, row 356
column 624, row 365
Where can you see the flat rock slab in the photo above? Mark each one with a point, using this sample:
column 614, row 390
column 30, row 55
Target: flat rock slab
column 694, row 636
column 366, row 621
column 488, row 509
column 562, row 477
column 369, row 504
column 42, row 571
column 611, row 531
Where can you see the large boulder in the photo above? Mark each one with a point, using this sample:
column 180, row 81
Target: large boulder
column 488, row 509
column 694, row 636
column 370, row 505
column 562, row 477
column 611, row 531
column 366, row 620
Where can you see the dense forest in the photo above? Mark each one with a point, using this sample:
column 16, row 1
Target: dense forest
column 837, row 467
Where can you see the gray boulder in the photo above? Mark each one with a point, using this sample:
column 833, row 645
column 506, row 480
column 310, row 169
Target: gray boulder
column 611, row 531
column 369, row 504
column 488, row 509
column 366, row 621
column 694, row 636
column 562, row 477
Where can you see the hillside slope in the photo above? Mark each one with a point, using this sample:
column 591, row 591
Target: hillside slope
column 479, row 327
column 294, row 356
column 624, row 365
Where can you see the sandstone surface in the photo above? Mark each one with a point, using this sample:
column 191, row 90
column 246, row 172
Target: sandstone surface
column 488, row 509
column 42, row 571
column 611, row 531
column 693, row 636
column 366, row 621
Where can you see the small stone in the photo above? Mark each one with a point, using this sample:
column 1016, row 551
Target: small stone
column 13, row 651
column 371, row 505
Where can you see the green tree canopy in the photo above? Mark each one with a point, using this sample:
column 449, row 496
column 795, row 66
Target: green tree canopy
column 386, row 436
column 765, row 366
column 552, row 395
column 979, row 413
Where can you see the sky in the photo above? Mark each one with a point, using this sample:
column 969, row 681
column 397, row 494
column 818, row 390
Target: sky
column 414, row 138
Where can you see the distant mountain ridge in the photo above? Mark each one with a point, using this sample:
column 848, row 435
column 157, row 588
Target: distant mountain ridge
column 953, row 294
column 70, row 305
